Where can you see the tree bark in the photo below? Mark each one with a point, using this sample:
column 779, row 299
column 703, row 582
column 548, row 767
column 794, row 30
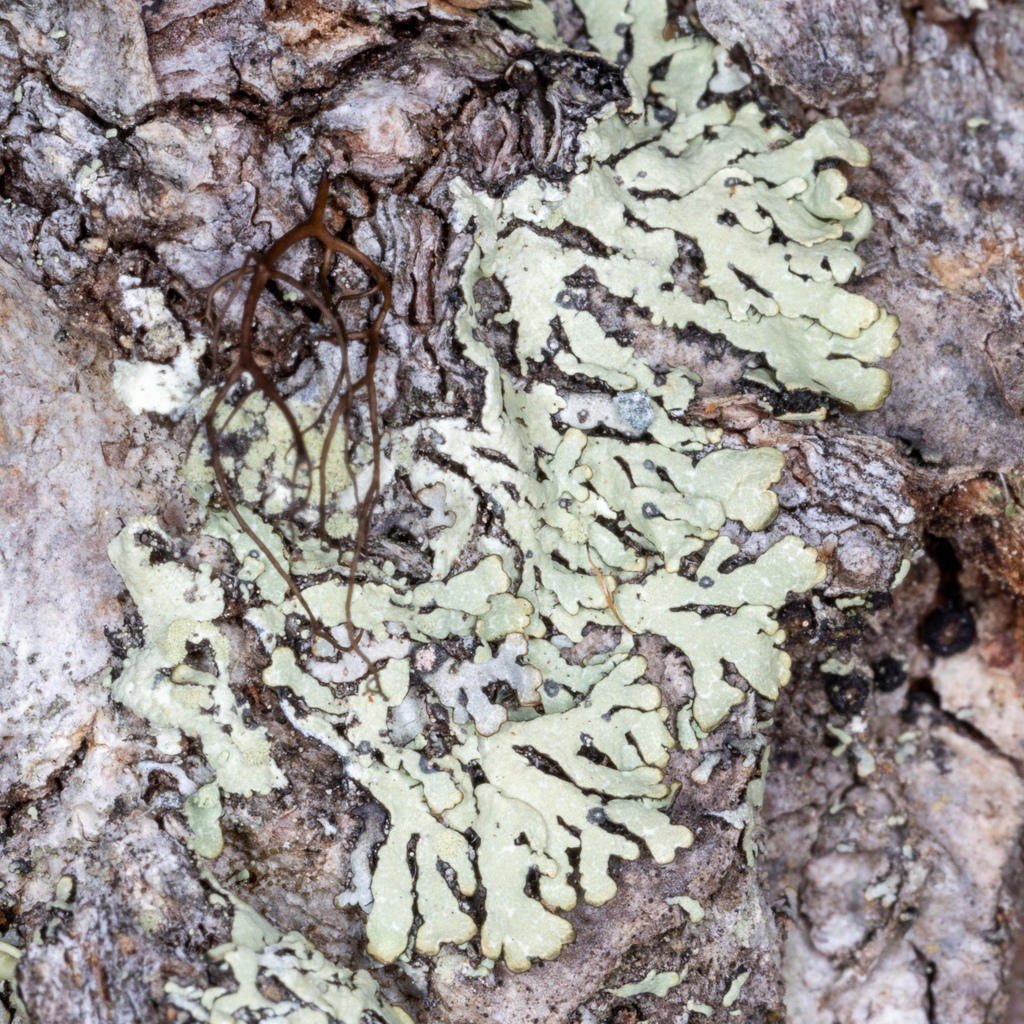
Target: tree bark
column 155, row 146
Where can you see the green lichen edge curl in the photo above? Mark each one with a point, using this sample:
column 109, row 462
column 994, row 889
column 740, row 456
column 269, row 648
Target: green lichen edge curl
column 728, row 180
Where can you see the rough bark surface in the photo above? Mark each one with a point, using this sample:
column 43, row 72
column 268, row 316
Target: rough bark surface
column 157, row 144
column 934, row 92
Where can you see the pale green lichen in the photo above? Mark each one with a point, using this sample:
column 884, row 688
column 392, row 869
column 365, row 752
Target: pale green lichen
column 611, row 519
column 433, row 803
column 655, row 983
column 777, row 235
column 735, row 988
column 460, row 685
column 692, row 907
column 9, row 957
column 886, row 891
column 202, row 811
column 280, row 978
column 63, row 894
column 178, row 606
column 688, row 735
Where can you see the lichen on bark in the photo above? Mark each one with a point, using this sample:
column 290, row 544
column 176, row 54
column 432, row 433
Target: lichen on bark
column 398, row 106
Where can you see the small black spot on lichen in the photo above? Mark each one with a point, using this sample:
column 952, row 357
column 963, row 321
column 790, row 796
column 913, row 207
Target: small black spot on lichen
column 705, row 582
column 160, row 550
column 847, row 694
column 650, row 510
column 127, row 636
column 235, row 446
column 889, row 674
column 948, row 630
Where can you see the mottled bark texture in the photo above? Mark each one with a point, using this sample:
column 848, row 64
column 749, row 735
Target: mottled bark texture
column 164, row 141
column 935, row 91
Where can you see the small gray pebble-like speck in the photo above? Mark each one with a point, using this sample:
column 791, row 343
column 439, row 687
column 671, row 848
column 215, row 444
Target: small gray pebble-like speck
column 634, row 409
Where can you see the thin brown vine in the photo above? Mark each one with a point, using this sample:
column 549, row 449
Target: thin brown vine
column 261, row 270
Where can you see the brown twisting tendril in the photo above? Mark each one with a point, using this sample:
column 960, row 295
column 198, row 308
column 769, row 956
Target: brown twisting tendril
column 607, row 593
column 261, row 270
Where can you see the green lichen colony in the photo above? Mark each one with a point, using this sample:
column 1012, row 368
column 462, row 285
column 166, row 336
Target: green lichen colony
column 618, row 527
